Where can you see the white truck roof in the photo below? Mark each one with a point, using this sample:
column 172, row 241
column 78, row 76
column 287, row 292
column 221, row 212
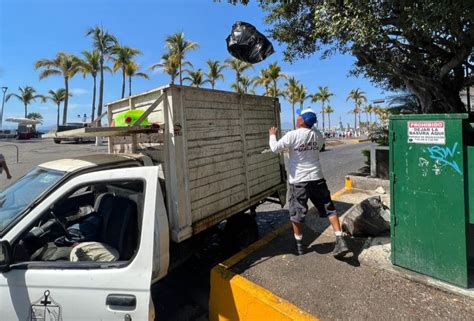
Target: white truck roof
column 78, row 163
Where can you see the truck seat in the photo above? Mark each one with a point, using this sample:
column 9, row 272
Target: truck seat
column 119, row 223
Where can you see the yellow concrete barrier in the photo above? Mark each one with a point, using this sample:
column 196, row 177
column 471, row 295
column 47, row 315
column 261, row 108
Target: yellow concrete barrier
column 236, row 298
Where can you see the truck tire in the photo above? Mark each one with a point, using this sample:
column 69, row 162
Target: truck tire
column 57, row 141
column 240, row 231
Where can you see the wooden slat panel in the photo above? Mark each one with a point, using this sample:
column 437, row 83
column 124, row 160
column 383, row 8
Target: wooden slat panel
column 259, row 158
column 212, row 169
column 214, row 141
column 218, row 206
column 255, row 189
column 209, row 132
column 210, row 124
column 216, row 177
column 217, row 196
column 207, row 160
column 208, row 114
column 208, row 96
column 216, row 187
column 224, row 105
column 213, row 150
column 267, row 170
column 258, row 114
column 268, row 162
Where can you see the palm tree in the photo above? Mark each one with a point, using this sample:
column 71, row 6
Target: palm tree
column 57, row 97
column 275, row 92
column 214, row 72
column 323, row 95
column 121, row 57
column 196, row 78
column 262, row 80
column 168, row 64
column 244, row 86
column 35, row 115
column 238, row 66
column 358, row 97
column 90, row 65
column 178, row 48
column 301, row 95
column 132, row 71
column 368, row 112
column 103, row 42
column 64, row 64
column 329, row 110
column 274, row 74
column 292, row 88
column 27, row 96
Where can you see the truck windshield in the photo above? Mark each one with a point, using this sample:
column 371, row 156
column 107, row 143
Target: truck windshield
column 16, row 198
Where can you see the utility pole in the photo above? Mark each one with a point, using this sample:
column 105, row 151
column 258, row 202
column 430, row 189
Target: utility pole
column 4, row 90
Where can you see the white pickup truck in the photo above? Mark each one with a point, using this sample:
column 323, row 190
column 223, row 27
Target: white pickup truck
column 85, row 238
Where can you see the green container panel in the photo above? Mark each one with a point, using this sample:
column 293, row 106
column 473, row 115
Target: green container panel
column 429, row 217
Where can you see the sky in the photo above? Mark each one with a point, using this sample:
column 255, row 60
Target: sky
column 35, row 29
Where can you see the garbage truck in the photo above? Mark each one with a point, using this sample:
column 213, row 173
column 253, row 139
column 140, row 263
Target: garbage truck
column 85, row 238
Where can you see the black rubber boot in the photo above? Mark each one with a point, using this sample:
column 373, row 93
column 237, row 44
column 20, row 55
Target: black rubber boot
column 340, row 248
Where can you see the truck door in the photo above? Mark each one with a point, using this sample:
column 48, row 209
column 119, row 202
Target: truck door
column 85, row 284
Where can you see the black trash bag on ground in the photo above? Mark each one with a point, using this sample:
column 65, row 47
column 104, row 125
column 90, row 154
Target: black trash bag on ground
column 246, row 43
column 365, row 219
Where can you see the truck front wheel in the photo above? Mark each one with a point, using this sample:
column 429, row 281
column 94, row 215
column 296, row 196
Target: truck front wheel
column 240, row 231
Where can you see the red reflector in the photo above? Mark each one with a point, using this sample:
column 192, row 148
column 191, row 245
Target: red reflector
column 128, row 119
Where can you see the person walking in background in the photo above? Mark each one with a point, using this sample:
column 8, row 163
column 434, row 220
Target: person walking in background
column 4, row 166
column 306, row 179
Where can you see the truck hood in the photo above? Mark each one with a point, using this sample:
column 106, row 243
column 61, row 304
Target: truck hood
column 79, row 163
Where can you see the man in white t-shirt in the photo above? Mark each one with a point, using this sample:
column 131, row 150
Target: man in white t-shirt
column 3, row 166
column 306, row 179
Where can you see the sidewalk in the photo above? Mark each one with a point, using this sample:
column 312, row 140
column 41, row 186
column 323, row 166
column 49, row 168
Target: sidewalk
column 355, row 288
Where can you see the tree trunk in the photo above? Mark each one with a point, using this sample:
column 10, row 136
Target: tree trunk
column 66, row 100
column 93, row 99
column 293, row 115
column 180, row 74
column 437, row 96
column 355, row 121
column 329, row 119
column 275, row 89
column 322, row 113
column 26, row 109
column 129, row 86
column 57, row 120
column 123, row 82
column 101, row 91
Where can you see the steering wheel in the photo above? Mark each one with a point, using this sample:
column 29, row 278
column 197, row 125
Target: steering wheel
column 57, row 220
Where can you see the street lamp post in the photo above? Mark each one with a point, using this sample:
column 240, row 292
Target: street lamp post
column 4, row 90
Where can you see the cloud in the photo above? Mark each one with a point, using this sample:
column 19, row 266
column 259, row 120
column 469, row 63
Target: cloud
column 297, row 73
column 79, row 91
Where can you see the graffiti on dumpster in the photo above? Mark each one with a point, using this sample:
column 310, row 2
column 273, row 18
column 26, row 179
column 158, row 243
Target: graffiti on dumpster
column 443, row 156
column 423, row 164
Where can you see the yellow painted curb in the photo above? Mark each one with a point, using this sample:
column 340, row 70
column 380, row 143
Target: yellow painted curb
column 234, row 297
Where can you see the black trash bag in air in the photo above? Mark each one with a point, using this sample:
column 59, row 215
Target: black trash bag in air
column 246, row 43
column 365, row 219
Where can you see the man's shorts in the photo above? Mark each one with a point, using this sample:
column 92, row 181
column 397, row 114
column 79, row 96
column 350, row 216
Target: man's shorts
column 317, row 192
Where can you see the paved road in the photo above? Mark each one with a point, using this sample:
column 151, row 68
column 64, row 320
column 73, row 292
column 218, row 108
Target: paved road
column 338, row 161
column 183, row 294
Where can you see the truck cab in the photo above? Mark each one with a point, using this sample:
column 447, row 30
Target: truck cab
column 71, row 228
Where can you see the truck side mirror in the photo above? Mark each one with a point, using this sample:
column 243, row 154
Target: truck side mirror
column 5, row 256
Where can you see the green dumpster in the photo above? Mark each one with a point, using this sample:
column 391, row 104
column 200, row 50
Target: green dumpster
column 432, row 195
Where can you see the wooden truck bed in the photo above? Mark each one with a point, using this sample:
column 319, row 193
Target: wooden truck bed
column 212, row 146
